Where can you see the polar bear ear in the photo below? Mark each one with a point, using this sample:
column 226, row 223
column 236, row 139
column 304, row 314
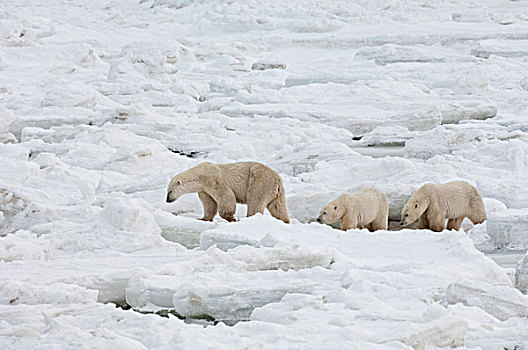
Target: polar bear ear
column 416, row 205
column 179, row 182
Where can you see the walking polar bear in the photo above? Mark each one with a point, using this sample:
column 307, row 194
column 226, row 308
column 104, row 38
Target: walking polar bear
column 432, row 204
column 221, row 186
column 367, row 208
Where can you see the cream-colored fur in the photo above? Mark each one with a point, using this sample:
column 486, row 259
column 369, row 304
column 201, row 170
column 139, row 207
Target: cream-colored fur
column 432, row 204
column 367, row 208
column 221, row 186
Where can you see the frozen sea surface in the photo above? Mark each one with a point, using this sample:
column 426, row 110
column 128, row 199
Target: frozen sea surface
column 101, row 102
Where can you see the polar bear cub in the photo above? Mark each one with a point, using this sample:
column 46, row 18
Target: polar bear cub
column 433, row 204
column 367, row 208
column 221, row 186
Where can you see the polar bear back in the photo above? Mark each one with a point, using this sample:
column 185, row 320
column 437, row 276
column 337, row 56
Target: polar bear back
column 456, row 198
column 369, row 204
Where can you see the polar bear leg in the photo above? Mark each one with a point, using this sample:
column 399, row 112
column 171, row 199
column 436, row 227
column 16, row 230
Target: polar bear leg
column 348, row 222
column 437, row 227
column 256, row 203
column 261, row 190
column 226, row 200
column 382, row 221
column 278, row 209
column 478, row 215
column 378, row 224
column 423, row 222
column 436, row 223
column 210, row 207
column 454, row 224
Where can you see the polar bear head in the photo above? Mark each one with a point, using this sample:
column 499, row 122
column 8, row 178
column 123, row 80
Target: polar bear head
column 192, row 180
column 331, row 213
column 180, row 185
column 411, row 212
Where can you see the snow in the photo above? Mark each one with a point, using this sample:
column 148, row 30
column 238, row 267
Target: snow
column 441, row 332
column 508, row 228
column 500, row 302
column 101, row 103
column 521, row 275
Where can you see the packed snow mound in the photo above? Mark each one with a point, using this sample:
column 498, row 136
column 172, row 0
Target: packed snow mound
column 443, row 332
column 236, row 301
column 499, row 301
column 59, row 293
column 24, row 245
column 521, row 275
column 180, row 229
column 507, row 228
column 265, row 264
column 7, row 119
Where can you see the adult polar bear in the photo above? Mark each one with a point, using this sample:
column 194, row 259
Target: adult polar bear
column 221, row 186
column 433, row 204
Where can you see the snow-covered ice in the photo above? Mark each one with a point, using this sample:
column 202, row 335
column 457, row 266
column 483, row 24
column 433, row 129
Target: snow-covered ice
column 102, row 102
column 509, row 228
column 521, row 275
column 500, row 302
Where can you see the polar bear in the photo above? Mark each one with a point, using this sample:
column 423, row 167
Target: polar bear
column 221, row 186
column 367, row 208
column 432, row 204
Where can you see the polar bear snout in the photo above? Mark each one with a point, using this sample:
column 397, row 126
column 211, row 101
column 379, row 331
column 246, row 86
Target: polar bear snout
column 405, row 221
column 170, row 198
column 324, row 218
